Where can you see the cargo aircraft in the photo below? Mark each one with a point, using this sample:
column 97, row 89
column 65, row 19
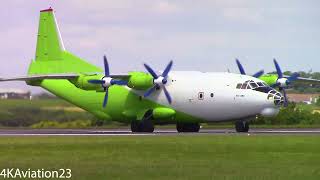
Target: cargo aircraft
column 146, row 99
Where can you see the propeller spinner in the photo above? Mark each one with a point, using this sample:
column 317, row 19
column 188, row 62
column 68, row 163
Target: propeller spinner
column 107, row 81
column 159, row 81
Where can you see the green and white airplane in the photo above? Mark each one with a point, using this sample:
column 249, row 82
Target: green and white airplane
column 184, row 98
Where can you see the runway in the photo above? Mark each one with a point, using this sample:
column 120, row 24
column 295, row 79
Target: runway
column 127, row 132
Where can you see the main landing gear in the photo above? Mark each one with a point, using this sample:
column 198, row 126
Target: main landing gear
column 142, row 126
column 188, row 127
column 242, row 126
column 145, row 125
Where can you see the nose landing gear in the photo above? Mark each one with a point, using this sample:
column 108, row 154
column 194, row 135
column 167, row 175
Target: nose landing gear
column 242, row 126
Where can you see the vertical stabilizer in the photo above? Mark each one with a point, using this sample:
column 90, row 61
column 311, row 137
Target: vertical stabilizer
column 49, row 42
column 51, row 56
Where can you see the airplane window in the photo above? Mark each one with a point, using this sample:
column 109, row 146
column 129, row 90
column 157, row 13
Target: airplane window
column 253, row 85
column 265, row 84
column 200, row 95
column 244, row 85
column 248, row 87
column 239, row 85
column 260, row 84
column 211, row 94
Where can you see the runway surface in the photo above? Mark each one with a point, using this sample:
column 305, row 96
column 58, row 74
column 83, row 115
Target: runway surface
column 127, row 132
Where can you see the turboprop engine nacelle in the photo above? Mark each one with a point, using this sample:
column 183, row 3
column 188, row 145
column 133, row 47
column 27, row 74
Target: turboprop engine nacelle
column 163, row 113
column 140, row 81
column 82, row 82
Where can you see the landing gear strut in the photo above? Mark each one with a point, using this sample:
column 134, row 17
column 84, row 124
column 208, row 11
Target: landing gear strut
column 188, row 127
column 145, row 125
column 242, row 126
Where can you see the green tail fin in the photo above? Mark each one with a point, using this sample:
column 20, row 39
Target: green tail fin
column 49, row 43
column 51, row 56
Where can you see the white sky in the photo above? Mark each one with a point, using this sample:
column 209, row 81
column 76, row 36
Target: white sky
column 204, row 35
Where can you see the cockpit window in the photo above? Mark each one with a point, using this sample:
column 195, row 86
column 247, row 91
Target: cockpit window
column 244, row 86
column 253, row 85
column 250, row 84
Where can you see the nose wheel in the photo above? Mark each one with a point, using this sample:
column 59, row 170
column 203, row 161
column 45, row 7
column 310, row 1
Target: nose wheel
column 242, row 126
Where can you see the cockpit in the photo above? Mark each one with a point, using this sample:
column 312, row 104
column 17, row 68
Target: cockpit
column 263, row 87
column 250, row 84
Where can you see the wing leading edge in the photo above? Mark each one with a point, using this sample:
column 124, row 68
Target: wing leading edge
column 40, row 77
column 54, row 76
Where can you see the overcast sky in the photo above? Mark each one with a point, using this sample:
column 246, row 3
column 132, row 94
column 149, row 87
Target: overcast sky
column 197, row 35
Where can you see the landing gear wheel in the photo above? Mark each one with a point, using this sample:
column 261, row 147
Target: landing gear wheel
column 142, row 126
column 146, row 125
column 188, row 127
column 135, row 126
column 242, row 126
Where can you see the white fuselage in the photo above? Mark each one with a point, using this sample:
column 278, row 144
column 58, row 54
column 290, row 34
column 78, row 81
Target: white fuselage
column 214, row 96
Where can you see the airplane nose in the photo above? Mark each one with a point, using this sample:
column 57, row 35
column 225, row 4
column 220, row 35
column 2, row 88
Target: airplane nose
column 277, row 97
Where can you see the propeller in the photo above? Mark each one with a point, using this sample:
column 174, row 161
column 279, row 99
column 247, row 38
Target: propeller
column 107, row 81
column 241, row 69
column 283, row 82
column 159, row 81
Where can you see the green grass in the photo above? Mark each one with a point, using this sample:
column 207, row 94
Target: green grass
column 25, row 113
column 310, row 107
column 168, row 157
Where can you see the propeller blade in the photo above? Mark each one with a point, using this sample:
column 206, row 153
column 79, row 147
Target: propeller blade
column 150, row 70
column 167, row 94
column 167, row 70
column 293, row 77
column 96, row 81
column 106, row 66
column 258, row 74
column 240, row 67
column 118, row 82
column 279, row 72
column 105, row 100
column 149, row 91
column 285, row 103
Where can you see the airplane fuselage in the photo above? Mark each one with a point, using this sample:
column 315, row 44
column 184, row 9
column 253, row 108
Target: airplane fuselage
column 214, row 96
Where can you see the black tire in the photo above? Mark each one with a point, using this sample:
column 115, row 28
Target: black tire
column 147, row 126
column 188, row 127
column 242, row 126
column 179, row 127
column 135, row 126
